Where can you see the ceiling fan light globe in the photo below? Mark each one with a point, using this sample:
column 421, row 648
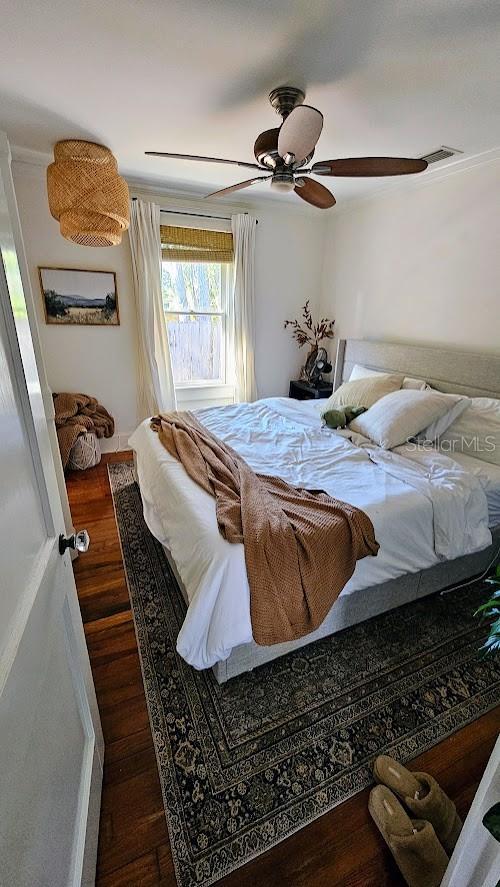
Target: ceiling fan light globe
column 282, row 182
column 300, row 132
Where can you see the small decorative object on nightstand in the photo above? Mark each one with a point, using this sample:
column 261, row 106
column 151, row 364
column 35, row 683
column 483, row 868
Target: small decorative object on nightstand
column 309, row 333
column 301, row 390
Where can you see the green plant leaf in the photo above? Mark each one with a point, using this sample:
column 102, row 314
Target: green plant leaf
column 492, row 644
column 491, row 821
column 491, row 603
column 490, row 611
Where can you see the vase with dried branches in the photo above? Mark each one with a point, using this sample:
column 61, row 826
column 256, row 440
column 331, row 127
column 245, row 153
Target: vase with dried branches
column 306, row 332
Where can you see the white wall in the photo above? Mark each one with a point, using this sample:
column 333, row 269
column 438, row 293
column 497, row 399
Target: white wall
column 289, row 261
column 421, row 264
column 102, row 360
column 95, row 360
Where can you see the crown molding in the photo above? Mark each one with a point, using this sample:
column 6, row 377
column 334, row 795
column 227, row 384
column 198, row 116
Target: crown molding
column 30, row 156
column 178, row 198
column 139, row 186
column 168, row 194
column 425, row 180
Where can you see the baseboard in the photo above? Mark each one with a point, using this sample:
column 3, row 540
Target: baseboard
column 115, row 444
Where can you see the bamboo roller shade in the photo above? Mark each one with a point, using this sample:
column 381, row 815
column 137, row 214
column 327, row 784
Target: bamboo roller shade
column 195, row 245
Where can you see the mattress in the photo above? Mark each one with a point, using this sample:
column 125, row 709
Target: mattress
column 424, row 507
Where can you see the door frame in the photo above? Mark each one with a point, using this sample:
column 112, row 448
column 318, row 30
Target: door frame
column 36, row 407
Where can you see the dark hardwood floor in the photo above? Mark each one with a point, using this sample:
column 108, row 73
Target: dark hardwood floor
column 342, row 849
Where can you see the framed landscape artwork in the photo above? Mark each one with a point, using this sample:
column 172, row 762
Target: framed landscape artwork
column 71, row 296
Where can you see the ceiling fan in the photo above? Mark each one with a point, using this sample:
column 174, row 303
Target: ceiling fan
column 284, row 152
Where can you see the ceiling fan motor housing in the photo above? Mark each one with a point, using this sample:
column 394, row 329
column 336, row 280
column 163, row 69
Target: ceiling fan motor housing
column 283, row 181
column 285, row 98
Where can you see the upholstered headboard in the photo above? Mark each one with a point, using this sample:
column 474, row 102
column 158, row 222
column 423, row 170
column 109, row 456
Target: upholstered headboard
column 459, row 372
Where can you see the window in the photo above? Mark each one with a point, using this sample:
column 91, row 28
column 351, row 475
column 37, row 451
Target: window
column 195, row 276
column 194, row 300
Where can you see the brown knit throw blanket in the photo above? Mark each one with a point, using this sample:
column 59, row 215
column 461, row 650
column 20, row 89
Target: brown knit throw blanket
column 300, row 547
column 77, row 414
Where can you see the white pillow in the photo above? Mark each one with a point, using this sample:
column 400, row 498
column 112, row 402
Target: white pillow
column 437, row 428
column 361, row 372
column 475, row 432
column 399, row 416
column 361, row 392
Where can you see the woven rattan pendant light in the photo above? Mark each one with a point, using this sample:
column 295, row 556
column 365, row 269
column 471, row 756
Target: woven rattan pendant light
column 86, row 195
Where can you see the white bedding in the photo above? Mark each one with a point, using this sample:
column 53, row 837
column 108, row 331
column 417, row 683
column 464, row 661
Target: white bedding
column 488, row 476
column 424, row 507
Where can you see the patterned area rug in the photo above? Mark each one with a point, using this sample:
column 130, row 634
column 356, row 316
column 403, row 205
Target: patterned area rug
column 245, row 764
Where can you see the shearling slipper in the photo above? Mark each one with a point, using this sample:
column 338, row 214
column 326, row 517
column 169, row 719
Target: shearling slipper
column 413, row 842
column 423, row 797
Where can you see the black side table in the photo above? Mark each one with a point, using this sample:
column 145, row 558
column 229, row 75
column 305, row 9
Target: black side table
column 305, row 391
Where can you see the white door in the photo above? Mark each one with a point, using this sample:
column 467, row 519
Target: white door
column 50, row 737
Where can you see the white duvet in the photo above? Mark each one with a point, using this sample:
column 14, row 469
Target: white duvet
column 424, row 507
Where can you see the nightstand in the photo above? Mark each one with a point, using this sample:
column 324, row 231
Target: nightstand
column 305, row 391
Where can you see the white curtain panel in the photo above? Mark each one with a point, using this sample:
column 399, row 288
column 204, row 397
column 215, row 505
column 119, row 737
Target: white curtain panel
column 156, row 392
column 242, row 309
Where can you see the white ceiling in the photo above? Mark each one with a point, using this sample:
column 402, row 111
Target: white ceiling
column 391, row 76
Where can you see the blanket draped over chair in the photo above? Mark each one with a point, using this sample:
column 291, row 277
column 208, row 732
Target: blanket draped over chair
column 77, row 414
column 300, row 547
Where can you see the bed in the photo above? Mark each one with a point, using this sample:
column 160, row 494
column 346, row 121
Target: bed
column 285, row 437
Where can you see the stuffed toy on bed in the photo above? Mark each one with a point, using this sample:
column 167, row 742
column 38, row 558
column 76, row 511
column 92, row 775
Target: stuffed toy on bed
column 341, row 417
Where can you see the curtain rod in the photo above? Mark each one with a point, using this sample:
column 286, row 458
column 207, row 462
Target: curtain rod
column 179, row 212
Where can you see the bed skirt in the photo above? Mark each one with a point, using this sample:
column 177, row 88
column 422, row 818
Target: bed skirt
column 358, row 606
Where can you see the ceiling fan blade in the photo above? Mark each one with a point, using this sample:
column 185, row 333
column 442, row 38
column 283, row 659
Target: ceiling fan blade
column 316, row 194
column 369, row 166
column 238, row 187
column 203, row 159
column 299, row 133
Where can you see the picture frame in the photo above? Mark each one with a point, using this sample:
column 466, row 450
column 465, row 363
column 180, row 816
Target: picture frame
column 79, row 297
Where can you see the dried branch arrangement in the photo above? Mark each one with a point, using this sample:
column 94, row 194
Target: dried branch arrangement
column 306, row 332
